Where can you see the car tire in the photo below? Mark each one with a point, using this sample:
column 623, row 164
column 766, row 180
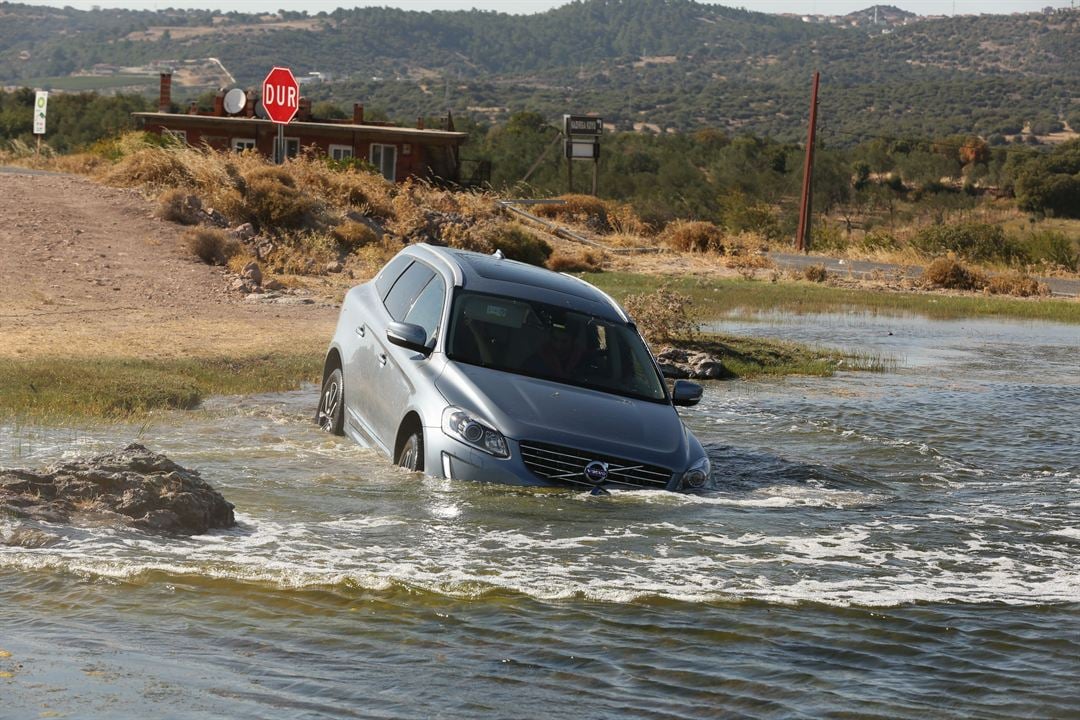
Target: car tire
column 411, row 456
column 331, row 413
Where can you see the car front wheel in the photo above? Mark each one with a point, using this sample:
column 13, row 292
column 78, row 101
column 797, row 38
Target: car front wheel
column 411, row 456
column 331, row 415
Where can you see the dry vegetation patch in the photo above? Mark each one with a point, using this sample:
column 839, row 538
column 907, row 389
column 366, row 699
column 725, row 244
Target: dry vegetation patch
column 693, row 236
column 565, row 260
column 950, row 273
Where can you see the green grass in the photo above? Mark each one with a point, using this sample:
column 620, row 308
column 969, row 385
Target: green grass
column 93, row 82
column 123, row 388
column 748, row 357
column 715, row 298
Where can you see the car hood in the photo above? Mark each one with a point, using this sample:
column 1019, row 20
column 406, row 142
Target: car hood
column 525, row 408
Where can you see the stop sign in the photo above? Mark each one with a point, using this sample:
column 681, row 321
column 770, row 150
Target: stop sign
column 280, row 95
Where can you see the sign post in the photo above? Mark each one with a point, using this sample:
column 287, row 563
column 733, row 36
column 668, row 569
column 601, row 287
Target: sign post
column 41, row 102
column 582, row 134
column 281, row 100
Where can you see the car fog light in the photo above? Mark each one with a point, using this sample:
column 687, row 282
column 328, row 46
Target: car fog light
column 460, row 425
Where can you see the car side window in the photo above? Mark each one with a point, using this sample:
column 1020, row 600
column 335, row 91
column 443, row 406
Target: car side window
column 389, row 274
column 408, row 286
column 426, row 311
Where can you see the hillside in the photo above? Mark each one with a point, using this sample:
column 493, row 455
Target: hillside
column 661, row 63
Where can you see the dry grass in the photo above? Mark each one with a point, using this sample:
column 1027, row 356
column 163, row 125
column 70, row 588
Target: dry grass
column 815, row 273
column 151, row 168
column 368, row 193
column 353, row 235
column 1017, row 285
column 951, row 274
column 576, row 261
column 752, row 261
column 584, row 209
column 693, row 236
column 213, row 247
column 179, row 206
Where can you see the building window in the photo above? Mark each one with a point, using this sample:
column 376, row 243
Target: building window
column 179, row 136
column 340, row 152
column 241, row 144
column 292, row 147
column 384, row 157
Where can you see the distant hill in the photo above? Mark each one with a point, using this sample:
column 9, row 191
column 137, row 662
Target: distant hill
column 652, row 63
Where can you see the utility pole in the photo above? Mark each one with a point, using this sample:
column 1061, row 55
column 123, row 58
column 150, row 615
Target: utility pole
column 802, row 240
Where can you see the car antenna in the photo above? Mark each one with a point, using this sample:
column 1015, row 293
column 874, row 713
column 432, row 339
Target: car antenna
column 498, row 254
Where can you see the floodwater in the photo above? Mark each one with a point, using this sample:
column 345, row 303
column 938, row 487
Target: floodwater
column 895, row 545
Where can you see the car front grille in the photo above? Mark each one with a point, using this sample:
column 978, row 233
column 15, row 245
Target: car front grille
column 563, row 464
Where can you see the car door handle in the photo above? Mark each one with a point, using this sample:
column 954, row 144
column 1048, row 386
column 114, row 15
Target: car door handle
column 361, row 330
column 382, row 359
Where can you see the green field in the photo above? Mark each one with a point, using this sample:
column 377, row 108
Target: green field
column 715, row 298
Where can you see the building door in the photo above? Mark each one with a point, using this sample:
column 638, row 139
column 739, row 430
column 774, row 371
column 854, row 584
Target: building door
column 384, row 157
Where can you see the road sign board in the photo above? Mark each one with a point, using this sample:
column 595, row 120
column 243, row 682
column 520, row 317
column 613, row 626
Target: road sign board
column 281, row 95
column 582, row 125
column 582, row 149
column 41, row 101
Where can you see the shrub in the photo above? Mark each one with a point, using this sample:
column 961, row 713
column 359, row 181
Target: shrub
column 978, row 242
column 353, row 235
column 750, row 261
column 178, row 206
column 693, row 236
column 213, row 247
column 580, row 261
column 624, row 220
column 154, row 167
column 879, row 240
column 827, row 237
column 1017, row 284
column 739, row 215
column 274, row 201
column 1055, row 248
column 815, row 273
column 949, row 273
column 584, row 209
column 662, row 315
column 368, row 192
column 517, row 243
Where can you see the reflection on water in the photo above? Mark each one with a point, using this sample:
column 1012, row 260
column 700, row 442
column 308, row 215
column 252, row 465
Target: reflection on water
column 918, row 528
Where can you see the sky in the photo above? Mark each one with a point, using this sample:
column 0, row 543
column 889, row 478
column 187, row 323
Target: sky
column 819, row 7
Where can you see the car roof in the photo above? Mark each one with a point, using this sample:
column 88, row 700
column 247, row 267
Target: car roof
column 500, row 276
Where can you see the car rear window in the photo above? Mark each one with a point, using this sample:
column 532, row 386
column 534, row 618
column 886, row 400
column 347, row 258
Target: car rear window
column 389, row 274
column 408, row 286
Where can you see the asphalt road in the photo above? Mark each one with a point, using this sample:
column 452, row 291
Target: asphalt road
column 865, row 268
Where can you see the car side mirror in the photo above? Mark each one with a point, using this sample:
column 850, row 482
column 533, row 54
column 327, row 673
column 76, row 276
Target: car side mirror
column 408, row 336
column 686, row 393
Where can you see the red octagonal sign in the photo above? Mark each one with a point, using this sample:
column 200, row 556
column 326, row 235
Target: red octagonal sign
column 281, row 95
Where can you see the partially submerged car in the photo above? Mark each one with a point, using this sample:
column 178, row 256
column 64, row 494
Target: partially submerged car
column 464, row 365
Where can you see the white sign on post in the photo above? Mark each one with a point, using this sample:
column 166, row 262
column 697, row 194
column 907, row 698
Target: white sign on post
column 40, row 103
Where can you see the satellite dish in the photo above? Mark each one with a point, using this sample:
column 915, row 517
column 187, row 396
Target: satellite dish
column 235, row 100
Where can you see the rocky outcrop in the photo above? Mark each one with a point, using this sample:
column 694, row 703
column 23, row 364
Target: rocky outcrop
column 682, row 364
column 133, row 487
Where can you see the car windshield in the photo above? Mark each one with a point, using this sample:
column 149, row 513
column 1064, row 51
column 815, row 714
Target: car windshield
column 553, row 343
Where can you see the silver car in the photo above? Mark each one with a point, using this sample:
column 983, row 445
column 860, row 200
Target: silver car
column 464, row 365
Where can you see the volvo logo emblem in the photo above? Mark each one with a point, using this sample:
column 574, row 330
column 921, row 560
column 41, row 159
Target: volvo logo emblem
column 596, row 471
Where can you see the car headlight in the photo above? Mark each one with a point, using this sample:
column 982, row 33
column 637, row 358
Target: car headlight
column 697, row 475
column 462, row 426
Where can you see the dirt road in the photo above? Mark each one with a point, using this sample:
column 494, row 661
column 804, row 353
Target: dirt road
column 87, row 270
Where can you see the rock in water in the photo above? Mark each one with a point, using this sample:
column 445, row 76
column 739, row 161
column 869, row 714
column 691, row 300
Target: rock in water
column 133, row 486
